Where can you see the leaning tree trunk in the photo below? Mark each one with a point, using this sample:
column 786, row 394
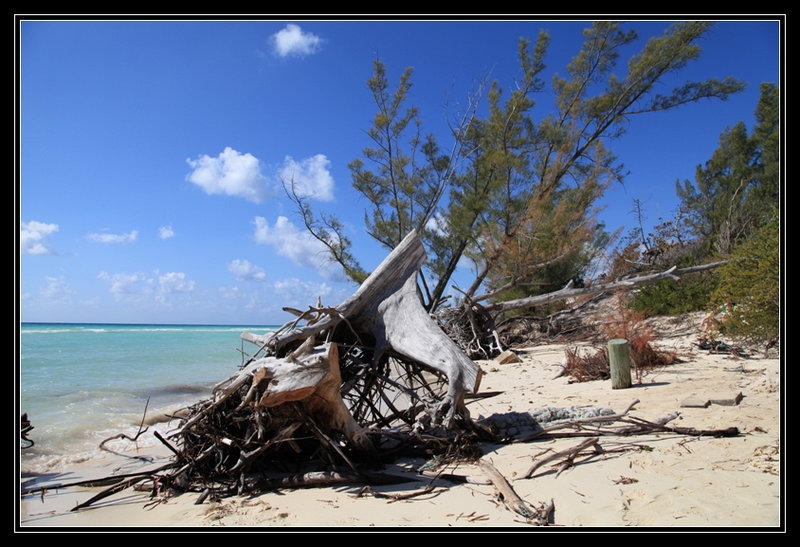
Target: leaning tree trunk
column 387, row 310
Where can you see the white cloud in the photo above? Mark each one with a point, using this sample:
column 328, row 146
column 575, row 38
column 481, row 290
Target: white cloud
column 136, row 286
column 235, row 300
column 291, row 40
column 173, row 283
column 245, row 271
column 437, row 224
column 126, row 285
column 293, row 292
column 230, row 293
column 56, row 290
column 32, row 237
column 166, row 232
column 231, row 173
column 235, row 174
column 298, row 246
column 309, row 177
column 114, row 238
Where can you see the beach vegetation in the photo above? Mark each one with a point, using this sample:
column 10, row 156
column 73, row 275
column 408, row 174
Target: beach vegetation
column 729, row 212
column 750, row 284
column 514, row 190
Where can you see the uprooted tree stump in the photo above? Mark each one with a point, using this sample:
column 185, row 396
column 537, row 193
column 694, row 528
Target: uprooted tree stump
column 342, row 385
column 385, row 318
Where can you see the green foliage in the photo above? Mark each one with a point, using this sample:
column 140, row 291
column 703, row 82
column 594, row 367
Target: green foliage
column 674, row 297
column 751, row 283
column 734, row 195
column 735, row 190
column 409, row 169
column 669, row 244
column 567, row 147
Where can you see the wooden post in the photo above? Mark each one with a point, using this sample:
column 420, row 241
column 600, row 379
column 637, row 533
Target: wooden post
column 619, row 360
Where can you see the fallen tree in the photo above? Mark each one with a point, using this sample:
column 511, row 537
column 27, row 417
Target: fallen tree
column 473, row 325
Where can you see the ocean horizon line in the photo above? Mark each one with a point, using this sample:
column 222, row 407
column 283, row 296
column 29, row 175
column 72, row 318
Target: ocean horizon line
column 113, row 323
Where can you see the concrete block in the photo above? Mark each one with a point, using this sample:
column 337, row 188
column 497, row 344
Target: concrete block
column 693, row 401
column 727, row 400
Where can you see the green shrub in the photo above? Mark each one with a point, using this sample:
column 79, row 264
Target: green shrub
column 670, row 297
column 751, row 282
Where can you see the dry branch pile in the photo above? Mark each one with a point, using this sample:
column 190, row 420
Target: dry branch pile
column 472, row 329
column 312, row 420
column 333, row 394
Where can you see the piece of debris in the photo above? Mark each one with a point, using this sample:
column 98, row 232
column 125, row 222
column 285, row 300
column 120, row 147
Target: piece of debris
column 507, row 357
column 539, row 516
column 568, row 456
column 693, row 401
column 25, row 428
column 523, row 424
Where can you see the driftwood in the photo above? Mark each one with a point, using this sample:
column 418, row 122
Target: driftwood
column 336, row 388
column 584, row 427
column 570, row 291
column 569, row 455
column 428, row 489
column 139, row 433
column 174, row 476
column 512, row 500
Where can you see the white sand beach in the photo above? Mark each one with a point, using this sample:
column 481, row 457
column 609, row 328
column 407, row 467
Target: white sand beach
column 661, row 480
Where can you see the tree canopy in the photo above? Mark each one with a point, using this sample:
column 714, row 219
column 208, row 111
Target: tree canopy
column 737, row 188
column 515, row 192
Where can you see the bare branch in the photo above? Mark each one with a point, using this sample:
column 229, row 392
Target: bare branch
column 568, row 291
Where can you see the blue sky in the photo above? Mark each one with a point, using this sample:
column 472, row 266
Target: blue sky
column 151, row 151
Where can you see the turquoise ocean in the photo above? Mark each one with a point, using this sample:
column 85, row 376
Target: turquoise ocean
column 80, row 384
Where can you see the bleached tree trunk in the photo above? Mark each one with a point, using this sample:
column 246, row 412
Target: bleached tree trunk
column 387, row 309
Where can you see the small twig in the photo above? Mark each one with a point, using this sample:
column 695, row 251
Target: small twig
column 327, row 440
column 124, row 436
column 458, row 479
column 166, row 443
column 25, row 428
column 570, row 454
column 111, row 491
column 202, row 498
column 262, row 481
column 395, row 497
column 643, row 426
